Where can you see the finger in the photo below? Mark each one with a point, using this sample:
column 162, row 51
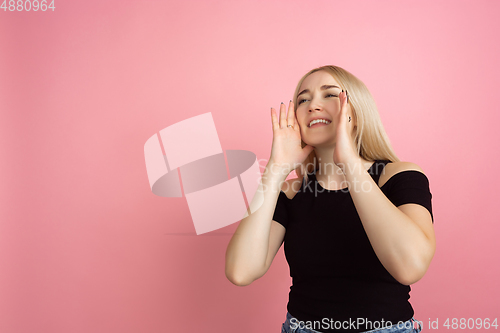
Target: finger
column 343, row 101
column 274, row 120
column 342, row 113
column 291, row 115
column 282, row 116
column 345, row 108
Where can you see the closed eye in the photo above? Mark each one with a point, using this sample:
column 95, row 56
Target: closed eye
column 303, row 99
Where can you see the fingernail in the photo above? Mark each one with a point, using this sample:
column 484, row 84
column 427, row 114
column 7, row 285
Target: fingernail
column 290, row 101
column 281, row 102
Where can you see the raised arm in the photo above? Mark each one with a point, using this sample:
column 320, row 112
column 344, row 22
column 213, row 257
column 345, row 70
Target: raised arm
column 402, row 237
column 247, row 252
column 250, row 250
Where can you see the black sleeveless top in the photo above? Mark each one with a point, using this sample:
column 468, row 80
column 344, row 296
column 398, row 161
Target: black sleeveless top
column 336, row 275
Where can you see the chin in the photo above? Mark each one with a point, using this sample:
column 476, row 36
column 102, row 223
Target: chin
column 322, row 145
column 319, row 143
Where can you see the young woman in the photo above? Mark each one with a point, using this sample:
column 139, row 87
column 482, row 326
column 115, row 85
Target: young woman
column 357, row 223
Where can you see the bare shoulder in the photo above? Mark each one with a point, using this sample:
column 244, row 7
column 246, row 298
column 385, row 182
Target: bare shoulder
column 291, row 187
column 396, row 167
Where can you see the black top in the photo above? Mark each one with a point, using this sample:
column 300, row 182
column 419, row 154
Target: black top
column 335, row 272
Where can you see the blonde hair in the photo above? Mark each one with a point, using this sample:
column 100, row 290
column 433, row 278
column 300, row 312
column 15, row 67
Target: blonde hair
column 371, row 139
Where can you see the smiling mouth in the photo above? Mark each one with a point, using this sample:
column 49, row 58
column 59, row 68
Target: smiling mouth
column 319, row 122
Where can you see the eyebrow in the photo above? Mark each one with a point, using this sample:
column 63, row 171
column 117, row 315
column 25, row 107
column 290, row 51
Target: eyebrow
column 324, row 87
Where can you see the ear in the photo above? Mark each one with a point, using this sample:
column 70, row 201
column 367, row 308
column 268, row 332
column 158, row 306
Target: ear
column 354, row 123
column 354, row 118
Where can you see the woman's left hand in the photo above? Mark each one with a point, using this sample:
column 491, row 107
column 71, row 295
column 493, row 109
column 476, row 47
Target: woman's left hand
column 345, row 153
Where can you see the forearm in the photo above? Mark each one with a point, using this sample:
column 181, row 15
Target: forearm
column 399, row 243
column 246, row 253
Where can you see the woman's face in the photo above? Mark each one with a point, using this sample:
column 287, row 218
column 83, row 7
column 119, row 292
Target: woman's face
column 318, row 98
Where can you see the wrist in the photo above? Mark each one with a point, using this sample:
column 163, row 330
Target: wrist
column 358, row 177
column 276, row 172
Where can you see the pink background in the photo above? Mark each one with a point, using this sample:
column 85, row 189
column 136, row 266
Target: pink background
column 85, row 246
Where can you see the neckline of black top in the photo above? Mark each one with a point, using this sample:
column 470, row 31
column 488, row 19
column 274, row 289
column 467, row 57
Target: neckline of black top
column 341, row 190
column 373, row 171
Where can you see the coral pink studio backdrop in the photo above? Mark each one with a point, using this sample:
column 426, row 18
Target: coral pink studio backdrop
column 85, row 246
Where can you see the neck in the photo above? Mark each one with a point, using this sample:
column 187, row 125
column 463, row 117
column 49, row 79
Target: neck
column 328, row 173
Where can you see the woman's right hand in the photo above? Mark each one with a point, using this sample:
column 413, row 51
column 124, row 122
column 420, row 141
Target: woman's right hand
column 287, row 152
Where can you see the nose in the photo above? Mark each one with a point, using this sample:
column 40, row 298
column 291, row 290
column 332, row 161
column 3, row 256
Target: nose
column 315, row 105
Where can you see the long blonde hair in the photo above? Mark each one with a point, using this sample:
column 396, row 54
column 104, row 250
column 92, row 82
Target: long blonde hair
column 371, row 139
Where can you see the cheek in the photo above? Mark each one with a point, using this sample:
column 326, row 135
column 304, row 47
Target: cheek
column 335, row 106
column 300, row 115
